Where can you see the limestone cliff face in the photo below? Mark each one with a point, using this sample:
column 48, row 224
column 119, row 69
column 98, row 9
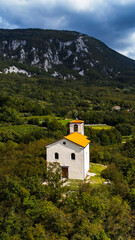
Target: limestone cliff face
column 48, row 49
column 49, row 53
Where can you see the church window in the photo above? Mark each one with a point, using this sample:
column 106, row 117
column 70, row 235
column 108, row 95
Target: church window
column 73, row 156
column 75, row 128
column 56, row 155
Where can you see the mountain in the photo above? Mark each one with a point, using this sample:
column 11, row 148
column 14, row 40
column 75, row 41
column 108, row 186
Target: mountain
column 63, row 54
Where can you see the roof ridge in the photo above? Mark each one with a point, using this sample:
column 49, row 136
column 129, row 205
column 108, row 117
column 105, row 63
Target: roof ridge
column 78, row 138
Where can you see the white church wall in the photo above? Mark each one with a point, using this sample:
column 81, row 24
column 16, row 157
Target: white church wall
column 75, row 167
column 86, row 160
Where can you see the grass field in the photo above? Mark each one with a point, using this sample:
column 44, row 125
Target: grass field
column 97, row 169
column 50, row 117
column 41, row 118
column 20, row 128
column 97, row 179
column 28, row 128
column 64, row 121
column 100, row 127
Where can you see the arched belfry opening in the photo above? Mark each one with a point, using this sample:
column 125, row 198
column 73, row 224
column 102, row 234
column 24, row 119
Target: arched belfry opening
column 77, row 126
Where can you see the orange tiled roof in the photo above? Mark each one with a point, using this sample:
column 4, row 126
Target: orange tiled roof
column 77, row 121
column 78, row 138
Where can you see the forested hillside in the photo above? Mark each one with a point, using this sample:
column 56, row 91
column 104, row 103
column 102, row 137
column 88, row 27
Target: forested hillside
column 35, row 108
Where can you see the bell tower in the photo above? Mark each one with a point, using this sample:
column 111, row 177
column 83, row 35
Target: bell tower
column 77, row 126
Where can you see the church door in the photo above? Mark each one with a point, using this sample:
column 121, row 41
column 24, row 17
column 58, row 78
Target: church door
column 64, row 172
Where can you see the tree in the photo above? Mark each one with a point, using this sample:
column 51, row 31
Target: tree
column 125, row 129
column 36, row 233
column 113, row 174
column 129, row 148
column 54, row 182
column 117, row 219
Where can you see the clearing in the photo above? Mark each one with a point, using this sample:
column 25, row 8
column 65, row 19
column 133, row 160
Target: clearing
column 94, row 176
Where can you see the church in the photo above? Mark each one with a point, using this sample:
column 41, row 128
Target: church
column 71, row 152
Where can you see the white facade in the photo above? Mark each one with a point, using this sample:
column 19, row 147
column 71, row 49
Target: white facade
column 78, row 167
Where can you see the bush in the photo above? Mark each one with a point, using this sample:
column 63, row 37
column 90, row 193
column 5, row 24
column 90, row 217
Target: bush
column 125, row 129
column 34, row 121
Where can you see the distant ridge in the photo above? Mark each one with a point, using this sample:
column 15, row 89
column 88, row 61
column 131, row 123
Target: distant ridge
column 63, row 54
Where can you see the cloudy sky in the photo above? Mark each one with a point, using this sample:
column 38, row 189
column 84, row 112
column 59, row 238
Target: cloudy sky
column 111, row 21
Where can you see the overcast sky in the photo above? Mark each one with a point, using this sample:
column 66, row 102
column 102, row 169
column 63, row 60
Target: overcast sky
column 111, row 21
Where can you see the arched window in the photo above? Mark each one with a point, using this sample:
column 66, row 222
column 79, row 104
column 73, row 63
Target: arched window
column 73, row 156
column 75, row 128
column 56, row 155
